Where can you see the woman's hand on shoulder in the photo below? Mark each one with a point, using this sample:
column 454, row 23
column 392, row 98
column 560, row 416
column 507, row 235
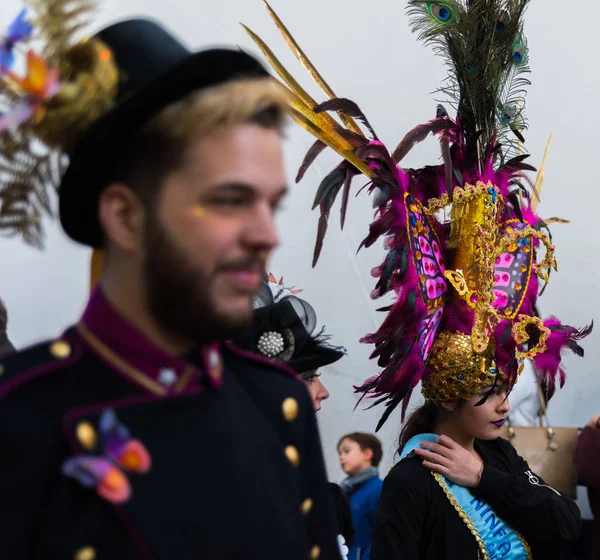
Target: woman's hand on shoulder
column 449, row 459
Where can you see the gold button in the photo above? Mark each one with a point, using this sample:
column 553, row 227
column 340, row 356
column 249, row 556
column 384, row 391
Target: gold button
column 60, row 349
column 315, row 552
column 292, row 454
column 86, row 434
column 306, row 506
column 1, row 369
column 215, row 366
column 213, row 359
column 290, row 409
column 85, row 553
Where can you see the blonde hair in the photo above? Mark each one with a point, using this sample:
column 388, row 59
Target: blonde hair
column 159, row 146
column 222, row 106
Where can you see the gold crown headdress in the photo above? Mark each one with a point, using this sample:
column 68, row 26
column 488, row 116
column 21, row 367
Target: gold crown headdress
column 462, row 237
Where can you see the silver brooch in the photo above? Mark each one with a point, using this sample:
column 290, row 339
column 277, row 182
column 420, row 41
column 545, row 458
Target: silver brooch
column 271, row 344
column 167, row 377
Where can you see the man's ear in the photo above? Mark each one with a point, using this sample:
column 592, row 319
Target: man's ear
column 368, row 454
column 121, row 216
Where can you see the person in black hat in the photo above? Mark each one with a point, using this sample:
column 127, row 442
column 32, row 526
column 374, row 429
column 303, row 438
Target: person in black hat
column 6, row 346
column 283, row 330
column 139, row 432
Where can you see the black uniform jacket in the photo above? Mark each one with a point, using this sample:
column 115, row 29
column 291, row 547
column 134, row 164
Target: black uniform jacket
column 416, row 521
column 112, row 449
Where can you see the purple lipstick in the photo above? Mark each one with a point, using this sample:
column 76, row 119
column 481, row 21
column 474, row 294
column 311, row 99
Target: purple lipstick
column 499, row 423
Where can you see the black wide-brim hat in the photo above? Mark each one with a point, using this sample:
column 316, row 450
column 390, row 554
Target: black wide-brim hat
column 156, row 71
column 301, row 351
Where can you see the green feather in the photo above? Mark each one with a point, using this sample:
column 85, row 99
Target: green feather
column 486, row 55
column 519, row 50
column 442, row 13
column 432, row 19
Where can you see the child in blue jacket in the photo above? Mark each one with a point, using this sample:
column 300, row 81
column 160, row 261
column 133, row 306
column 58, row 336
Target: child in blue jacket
column 360, row 455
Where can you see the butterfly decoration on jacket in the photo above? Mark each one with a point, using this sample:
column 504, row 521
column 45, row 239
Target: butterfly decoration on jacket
column 20, row 30
column 106, row 473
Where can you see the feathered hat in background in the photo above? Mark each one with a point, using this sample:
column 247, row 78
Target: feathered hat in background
column 66, row 86
column 68, row 122
column 284, row 330
column 466, row 250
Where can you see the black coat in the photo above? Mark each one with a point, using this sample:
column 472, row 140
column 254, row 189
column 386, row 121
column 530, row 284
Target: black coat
column 587, row 466
column 6, row 346
column 416, row 521
column 234, row 475
column 345, row 526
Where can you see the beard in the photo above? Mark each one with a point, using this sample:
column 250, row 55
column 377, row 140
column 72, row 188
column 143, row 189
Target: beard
column 179, row 296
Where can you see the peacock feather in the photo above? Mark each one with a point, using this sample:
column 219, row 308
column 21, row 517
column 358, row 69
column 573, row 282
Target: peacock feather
column 486, row 56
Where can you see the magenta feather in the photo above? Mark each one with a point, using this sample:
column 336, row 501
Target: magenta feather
column 548, row 364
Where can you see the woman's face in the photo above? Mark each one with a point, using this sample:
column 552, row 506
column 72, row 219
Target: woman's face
column 483, row 421
column 318, row 391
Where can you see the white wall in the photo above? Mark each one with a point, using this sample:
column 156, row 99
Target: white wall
column 370, row 56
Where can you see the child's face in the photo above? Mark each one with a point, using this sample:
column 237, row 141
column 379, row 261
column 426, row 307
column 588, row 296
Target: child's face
column 353, row 459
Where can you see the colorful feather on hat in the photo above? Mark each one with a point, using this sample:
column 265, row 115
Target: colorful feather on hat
column 67, row 86
column 19, row 30
column 489, row 227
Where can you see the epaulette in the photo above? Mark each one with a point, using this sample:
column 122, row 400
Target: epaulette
column 36, row 361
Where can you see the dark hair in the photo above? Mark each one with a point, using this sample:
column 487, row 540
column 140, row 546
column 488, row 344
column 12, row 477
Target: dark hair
column 421, row 421
column 366, row 441
column 150, row 156
column 3, row 317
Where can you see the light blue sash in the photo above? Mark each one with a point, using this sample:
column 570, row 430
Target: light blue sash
column 496, row 540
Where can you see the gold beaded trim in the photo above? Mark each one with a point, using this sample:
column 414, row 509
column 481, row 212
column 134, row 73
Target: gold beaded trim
column 519, row 332
column 476, row 286
column 512, row 313
column 456, row 371
column 525, row 546
column 461, row 194
column 478, row 238
column 469, row 523
column 486, row 317
column 463, row 515
column 513, row 235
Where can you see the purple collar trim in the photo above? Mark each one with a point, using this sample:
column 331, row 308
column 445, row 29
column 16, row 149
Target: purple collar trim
column 126, row 350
